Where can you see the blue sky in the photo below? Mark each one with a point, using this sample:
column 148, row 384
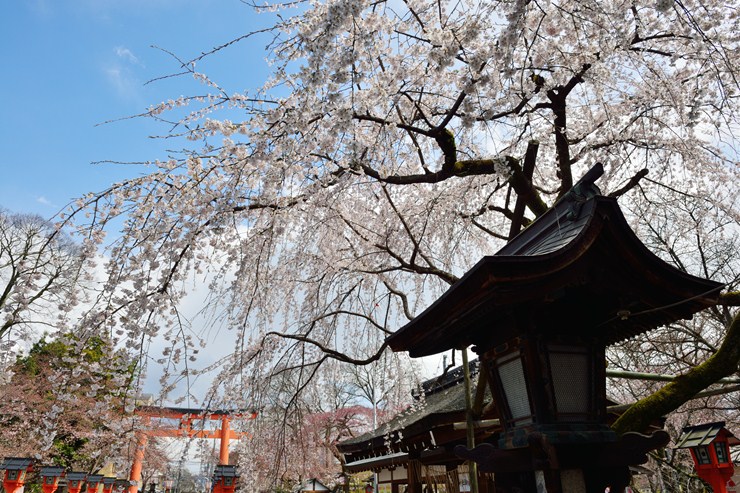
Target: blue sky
column 69, row 65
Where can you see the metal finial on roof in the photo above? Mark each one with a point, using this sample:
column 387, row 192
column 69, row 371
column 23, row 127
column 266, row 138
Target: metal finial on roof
column 584, row 189
column 586, row 186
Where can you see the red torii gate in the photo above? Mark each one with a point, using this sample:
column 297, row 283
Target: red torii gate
column 186, row 417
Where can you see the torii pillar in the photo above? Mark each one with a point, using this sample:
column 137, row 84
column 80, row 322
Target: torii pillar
column 223, row 450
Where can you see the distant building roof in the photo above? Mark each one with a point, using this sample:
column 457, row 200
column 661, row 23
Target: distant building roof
column 449, row 401
column 426, row 429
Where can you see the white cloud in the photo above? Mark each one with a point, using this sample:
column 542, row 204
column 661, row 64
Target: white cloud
column 120, row 71
column 126, row 54
column 44, row 201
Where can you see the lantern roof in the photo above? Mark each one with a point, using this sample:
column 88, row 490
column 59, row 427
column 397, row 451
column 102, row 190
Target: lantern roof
column 223, row 470
column 76, row 476
column 313, row 484
column 51, row 471
column 577, row 270
column 704, row 434
column 121, row 483
column 15, row 463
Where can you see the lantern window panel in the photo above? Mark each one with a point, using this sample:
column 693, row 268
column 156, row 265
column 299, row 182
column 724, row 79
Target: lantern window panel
column 569, row 370
column 720, row 448
column 511, row 373
column 702, row 455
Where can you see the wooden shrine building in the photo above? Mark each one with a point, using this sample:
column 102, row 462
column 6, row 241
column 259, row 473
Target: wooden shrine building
column 414, row 451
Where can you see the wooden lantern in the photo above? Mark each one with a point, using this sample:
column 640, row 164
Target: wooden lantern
column 108, row 483
column 75, row 481
column 540, row 314
column 14, row 473
column 93, row 482
column 50, row 476
column 710, row 449
column 224, row 479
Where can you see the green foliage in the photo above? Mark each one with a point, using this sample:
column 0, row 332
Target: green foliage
column 41, row 351
column 67, row 452
column 68, row 351
column 58, row 351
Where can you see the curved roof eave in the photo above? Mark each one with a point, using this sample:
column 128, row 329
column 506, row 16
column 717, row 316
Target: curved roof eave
column 539, row 261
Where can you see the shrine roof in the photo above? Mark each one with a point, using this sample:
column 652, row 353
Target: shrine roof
column 450, row 401
column 225, row 471
column 442, row 403
column 578, row 270
column 313, row 484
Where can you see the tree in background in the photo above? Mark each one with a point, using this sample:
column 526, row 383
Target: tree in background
column 157, row 462
column 42, row 277
column 289, row 444
column 64, row 403
column 385, row 385
column 397, row 143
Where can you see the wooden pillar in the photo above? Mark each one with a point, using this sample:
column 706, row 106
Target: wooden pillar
column 413, row 475
column 484, row 483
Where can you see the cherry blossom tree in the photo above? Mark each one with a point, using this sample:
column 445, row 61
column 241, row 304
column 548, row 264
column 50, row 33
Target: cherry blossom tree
column 64, row 403
column 385, row 385
column 398, row 142
column 157, row 460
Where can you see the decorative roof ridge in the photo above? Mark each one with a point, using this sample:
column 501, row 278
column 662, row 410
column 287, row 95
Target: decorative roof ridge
column 566, row 209
column 446, row 380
